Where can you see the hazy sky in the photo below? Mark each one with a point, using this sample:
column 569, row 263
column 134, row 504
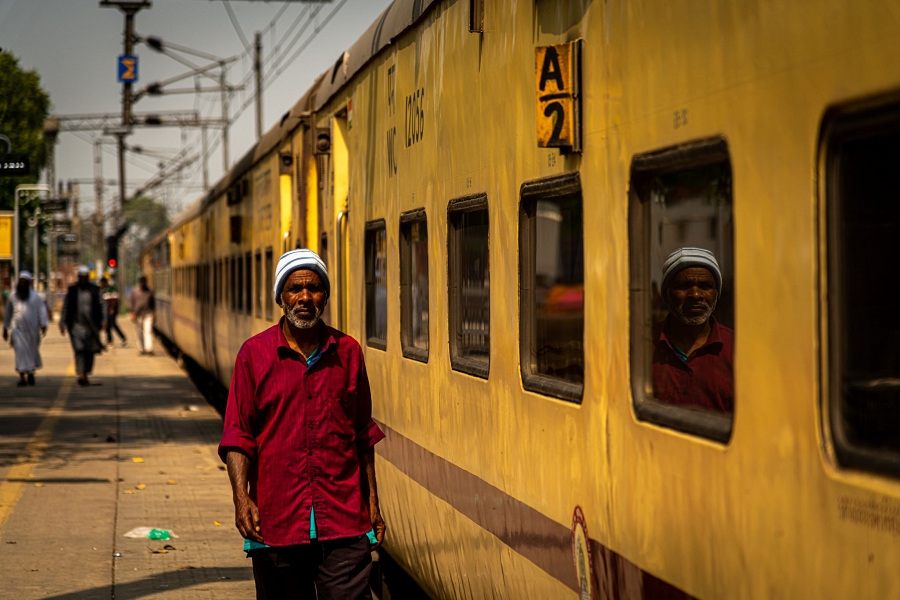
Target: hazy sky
column 73, row 45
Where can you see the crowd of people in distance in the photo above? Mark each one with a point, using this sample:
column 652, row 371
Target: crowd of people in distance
column 87, row 311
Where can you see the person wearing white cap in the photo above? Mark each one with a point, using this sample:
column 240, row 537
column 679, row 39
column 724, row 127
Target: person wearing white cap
column 299, row 443
column 692, row 358
column 83, row 315
column 26, row 319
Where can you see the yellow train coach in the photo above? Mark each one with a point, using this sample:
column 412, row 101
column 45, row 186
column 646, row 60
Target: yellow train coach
column 495, row 187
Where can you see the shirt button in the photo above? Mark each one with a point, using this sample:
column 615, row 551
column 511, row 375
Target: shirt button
column 309, row 452
column 310, row 425
column 309, row 396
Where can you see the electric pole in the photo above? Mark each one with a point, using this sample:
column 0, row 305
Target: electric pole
column 257, row 67
column 224, row 86
column 98, row 198
column 129, row 9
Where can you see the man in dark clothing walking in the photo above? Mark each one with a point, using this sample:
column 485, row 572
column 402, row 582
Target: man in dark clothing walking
column 83, row 316
column 111, row 297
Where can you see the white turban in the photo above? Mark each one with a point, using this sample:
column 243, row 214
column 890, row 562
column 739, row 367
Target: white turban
column 26, row 275
column 82, row 270
column 296, row 260
column 684, row 258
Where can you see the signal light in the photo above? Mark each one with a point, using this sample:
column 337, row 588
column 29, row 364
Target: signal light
column 112, row 263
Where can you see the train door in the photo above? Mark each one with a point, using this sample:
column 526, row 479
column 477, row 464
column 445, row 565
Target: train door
column 338, row 215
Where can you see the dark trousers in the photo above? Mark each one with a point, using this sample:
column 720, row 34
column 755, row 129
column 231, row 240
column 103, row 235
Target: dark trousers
column 111, row 324
column 333, row 570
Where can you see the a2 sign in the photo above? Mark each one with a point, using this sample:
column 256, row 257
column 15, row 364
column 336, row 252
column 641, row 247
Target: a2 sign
column 557, row 84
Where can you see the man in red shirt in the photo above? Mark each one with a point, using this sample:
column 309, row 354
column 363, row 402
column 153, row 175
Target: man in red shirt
column 692, row 354
column 299, row 444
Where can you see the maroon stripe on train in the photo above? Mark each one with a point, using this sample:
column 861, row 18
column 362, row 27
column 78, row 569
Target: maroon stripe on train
column 530, row 533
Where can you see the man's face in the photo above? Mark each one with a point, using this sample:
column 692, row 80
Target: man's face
column 303, row 298
column 82, row 280
column 693, row 295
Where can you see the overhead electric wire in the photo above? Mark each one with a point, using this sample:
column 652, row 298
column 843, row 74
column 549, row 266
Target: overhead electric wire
column 237, row 26
column 318, row 28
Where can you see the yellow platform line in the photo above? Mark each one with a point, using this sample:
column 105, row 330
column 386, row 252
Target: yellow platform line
column 12, row 487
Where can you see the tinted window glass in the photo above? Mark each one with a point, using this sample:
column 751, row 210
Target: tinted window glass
column 864, row 233
column 552, row 288
column 414, row 287
column 470, row 306
column 683, row 288
column 270, row 285
column 259, row 286
column 248, row 290
column 376, row 285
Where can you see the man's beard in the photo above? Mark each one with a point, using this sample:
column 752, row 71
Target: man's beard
column 296, row 321
column 678, row 311
column 22, row 292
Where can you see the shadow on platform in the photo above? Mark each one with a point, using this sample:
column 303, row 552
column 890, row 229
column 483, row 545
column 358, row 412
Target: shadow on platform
column 160, row 583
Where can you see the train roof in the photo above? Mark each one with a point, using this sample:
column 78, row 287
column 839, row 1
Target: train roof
column 396, row 18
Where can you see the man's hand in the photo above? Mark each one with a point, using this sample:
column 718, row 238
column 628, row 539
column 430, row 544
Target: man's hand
column 43, row 331
column 377, row 523
column 369, row 487
column 132, row 317
column 5, row 334
column 62, row 330
column 246, row 514
column 246, row 518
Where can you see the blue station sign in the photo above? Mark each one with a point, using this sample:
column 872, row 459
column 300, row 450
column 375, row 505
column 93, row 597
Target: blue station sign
column 128, row 68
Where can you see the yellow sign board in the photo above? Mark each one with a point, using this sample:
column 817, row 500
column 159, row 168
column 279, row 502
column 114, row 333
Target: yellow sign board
column 6, row 235
column 557, row 81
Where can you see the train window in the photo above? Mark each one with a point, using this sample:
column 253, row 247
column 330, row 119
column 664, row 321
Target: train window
column 376, row 284
column 414, row 285
column 232, row 294
column 682, row 288
column 248, row 290
column 259, row 288
column 469, row 285
column 551, row 271
column 239, row 285
column 270, row 284
column 863, row 226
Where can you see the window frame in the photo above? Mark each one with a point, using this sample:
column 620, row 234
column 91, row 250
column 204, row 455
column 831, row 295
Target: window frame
column 268, row 292
column 455, row 208
column 844, row 124
column 410, row 351
column 257, row 297
column 248, row 288
column 692, row 155
column 530, row 193
column 372, row 227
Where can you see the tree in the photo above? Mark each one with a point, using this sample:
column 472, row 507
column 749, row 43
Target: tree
column 24, row 105
column 147, row 218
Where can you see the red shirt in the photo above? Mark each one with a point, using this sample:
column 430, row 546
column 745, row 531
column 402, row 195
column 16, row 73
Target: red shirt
column 303, row 430
column 706, row 380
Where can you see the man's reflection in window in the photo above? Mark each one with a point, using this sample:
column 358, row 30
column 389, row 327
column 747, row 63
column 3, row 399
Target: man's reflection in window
column 692, row 356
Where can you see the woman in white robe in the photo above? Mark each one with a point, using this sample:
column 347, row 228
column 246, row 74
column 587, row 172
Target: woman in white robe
column 26, row 319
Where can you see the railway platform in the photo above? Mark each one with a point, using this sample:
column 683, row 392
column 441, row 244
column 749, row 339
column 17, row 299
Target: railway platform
column 81, row 467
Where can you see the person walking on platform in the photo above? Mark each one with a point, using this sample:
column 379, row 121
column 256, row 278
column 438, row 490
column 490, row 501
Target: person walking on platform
column 299, row 444
column 111, row 297
column 26, row 319
column 142, row 306
column 83, row 316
